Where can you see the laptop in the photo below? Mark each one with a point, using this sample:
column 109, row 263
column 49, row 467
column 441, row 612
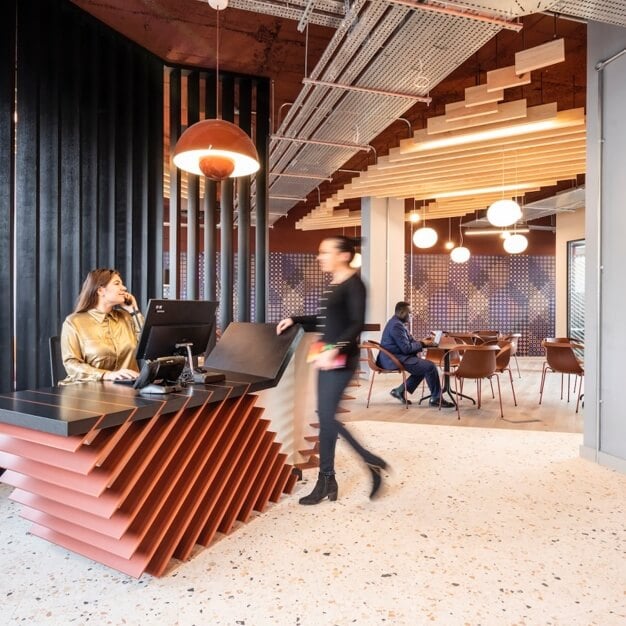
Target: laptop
column 437, row 337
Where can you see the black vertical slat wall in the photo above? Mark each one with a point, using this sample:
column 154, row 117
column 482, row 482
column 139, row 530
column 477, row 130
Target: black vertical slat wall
column 261, row 253
column 7, row 87
column 81, row 185
column 240, row 97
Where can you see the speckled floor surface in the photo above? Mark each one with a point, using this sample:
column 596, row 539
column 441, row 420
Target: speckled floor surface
column 476, row 526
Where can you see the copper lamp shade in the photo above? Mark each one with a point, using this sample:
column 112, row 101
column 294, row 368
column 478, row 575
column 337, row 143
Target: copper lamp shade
column 216, row 149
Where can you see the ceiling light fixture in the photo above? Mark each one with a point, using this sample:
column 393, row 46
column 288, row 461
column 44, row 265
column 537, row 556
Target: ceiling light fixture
column 504, row 212
column 460, row 254
column 216, row 148
column 514, row 244
column 449, row 244
column 424, row 237
column 493, row 231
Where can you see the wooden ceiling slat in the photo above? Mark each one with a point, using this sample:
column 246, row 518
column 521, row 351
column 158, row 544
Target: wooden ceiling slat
column 507, row 111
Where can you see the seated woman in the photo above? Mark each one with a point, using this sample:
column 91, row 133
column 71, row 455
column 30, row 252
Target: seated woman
column 99, row 338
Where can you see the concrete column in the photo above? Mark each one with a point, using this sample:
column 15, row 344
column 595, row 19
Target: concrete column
column 382, row 229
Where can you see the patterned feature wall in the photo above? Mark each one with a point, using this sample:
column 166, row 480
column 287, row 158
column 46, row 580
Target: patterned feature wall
column 509, row 294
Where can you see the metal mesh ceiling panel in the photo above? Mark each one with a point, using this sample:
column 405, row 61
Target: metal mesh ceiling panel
column 388, row 47
column 609, row 11
column 324, row 13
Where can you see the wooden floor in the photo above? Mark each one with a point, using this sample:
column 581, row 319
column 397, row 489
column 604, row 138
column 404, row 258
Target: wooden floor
column 553, row 414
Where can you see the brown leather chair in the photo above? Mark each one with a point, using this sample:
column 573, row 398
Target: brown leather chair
column 486, row 337
column 478, row 362
column 503, row 362
column 514, row 339
column 370, row 346
column 561, row 358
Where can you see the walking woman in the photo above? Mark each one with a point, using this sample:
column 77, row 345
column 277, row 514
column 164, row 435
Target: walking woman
column 339, row 322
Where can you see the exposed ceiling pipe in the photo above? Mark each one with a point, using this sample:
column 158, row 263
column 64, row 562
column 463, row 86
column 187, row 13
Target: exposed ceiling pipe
column 319, row 142
column 378, row 92
column 311, row 176
column 480, row 17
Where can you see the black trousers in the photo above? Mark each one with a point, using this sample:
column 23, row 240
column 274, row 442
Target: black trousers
column 330, row 387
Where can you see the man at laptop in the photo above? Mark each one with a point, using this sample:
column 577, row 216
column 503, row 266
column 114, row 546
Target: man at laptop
column 397, row 340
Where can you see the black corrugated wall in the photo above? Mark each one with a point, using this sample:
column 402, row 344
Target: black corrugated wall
column 81, row 172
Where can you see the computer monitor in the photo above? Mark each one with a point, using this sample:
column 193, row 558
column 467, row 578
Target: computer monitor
column 169, row 323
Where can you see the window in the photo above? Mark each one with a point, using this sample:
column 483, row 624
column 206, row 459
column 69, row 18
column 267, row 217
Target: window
column 576, row 289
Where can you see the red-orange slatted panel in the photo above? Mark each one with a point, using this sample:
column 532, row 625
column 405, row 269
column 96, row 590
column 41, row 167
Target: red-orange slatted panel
column 204, row 468
column 266, row 465
column 279, row 487
column 70, row 444
column 270, row 480
column 246, row 474
column 218, row 482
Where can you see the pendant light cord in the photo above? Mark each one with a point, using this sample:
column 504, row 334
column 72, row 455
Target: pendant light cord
column 217, row 69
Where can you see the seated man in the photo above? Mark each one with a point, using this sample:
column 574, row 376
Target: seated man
column 397, row 340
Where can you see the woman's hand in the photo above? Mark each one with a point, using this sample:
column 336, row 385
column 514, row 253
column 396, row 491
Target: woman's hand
column 130, row 304
column 327, row 359
column 283, row 325
column 121, row 374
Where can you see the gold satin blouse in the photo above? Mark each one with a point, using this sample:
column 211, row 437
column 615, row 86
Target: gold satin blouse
column 93, row 343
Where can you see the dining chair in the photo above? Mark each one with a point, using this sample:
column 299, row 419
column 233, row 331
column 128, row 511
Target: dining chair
column 503, row 362
column 486, row 337
column 477, row 362
column 561, row 358
column 370, row 346
column 514, row 339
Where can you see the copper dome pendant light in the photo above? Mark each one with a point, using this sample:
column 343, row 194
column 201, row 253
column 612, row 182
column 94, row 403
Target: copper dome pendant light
column 216, row 148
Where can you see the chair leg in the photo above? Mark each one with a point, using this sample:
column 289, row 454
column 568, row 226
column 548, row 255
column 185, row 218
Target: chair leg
column 406, row 399
column 458, row 399
column 512, row 387
column 478, row 393
column 517, row 365
column 370, row 392
column 500, row 394
column 580, row 386
column 543, row 382
column 491, row 383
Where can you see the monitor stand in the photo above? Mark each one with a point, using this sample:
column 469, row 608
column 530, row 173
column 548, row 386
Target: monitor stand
column 191, row 375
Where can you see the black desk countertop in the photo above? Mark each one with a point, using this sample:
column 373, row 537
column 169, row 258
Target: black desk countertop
column 250, row 355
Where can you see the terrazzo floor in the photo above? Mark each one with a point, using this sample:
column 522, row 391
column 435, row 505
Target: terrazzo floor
column 476, row 526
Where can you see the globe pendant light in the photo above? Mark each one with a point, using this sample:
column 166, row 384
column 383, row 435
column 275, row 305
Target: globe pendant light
column 460, row 254
column 356, row 261
column 504, row 213
column 425, row 237
column 216, row 148
column 516, row 243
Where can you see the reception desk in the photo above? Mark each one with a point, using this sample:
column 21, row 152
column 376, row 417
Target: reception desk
column 131, row 481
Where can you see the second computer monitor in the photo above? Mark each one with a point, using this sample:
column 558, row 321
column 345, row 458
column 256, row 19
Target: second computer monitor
column 170, row 323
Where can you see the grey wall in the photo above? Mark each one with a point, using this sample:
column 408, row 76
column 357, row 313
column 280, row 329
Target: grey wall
column 605, row 337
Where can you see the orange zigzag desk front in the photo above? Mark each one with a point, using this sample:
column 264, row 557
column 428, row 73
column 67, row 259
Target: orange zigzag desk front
column 132, row 482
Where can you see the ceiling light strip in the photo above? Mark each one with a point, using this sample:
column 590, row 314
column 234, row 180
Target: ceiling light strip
column 370, row 90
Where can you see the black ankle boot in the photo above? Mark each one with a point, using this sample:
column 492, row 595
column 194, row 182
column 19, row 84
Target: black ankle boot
column 325, row 486
column 376, row 469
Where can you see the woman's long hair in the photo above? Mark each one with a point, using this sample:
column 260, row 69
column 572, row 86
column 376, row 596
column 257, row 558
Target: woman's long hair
column 88, row 296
